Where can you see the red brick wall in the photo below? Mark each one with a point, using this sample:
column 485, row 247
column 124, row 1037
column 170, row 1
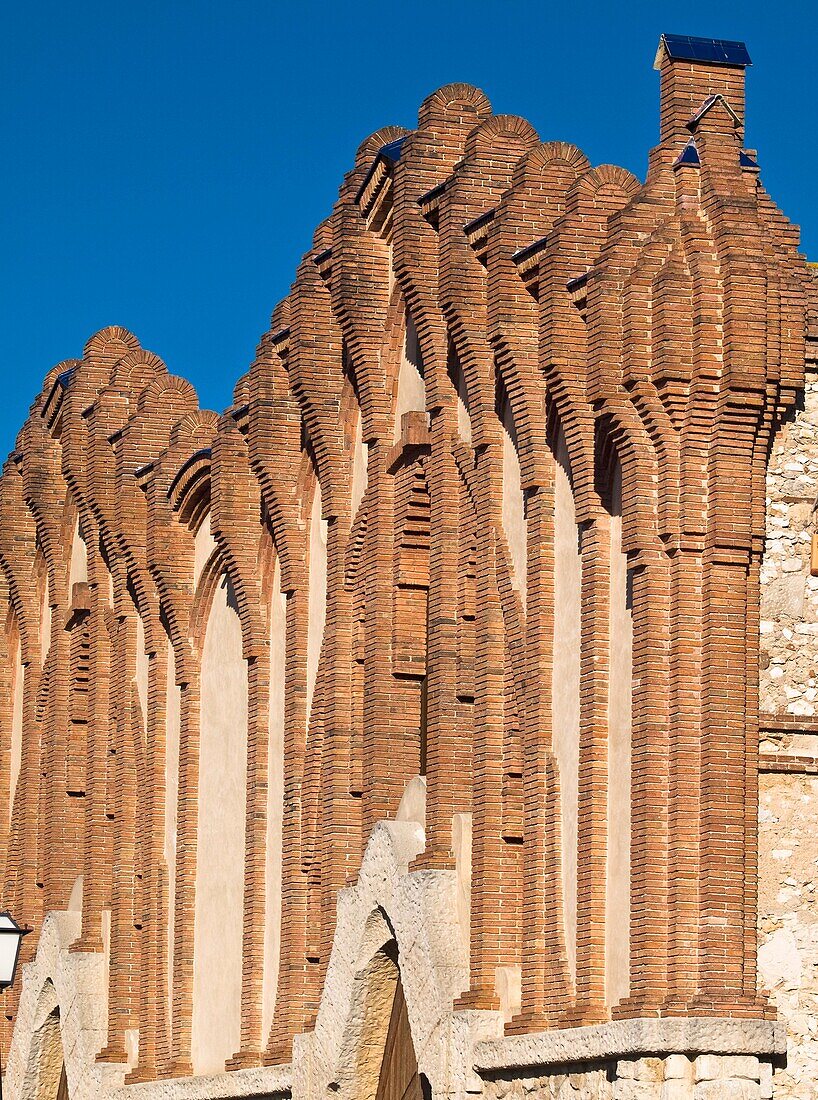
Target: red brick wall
column 658, row 327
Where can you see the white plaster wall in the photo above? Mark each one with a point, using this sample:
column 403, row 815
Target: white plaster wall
column 513, row 504
column 788, row 921
column 141, row 668
column 79, row 560
column 217, row 952
column 173, row 713
column 459, row 383
column 45, row 623
column 203, row 546
column 275, row 800
column 360, row 462
column 411, row 387
column 565, row 683
column 16, row 754
column 619, row 763
column 317, row 590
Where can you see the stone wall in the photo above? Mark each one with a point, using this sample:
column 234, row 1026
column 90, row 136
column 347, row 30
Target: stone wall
column 788, row 795
column 788, row 921
column 789, row 595
column 675, row 1077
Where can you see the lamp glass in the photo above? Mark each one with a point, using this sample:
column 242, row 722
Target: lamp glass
column 10, row 935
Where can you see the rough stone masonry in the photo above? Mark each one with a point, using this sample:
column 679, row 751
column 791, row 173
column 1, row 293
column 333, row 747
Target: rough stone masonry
column 440, row 719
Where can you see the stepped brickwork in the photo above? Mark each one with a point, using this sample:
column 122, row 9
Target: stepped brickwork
column 396, row 732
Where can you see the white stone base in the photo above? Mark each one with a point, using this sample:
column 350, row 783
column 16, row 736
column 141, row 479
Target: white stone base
column 414, row 916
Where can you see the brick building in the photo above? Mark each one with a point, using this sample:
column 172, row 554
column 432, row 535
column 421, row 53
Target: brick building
column 438, row 720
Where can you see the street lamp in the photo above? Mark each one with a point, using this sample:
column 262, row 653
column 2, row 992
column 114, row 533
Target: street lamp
column 11, row 936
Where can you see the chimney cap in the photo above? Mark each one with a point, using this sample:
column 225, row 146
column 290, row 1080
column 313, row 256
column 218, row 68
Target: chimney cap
column 708, row 51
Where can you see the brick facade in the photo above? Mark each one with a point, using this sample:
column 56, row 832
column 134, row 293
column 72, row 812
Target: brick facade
column 489, row 508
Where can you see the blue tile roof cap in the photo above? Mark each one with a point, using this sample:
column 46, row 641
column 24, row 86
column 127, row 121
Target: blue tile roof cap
column 709, row 51
column 391, row 151
column 390, row 154
column 689, row 155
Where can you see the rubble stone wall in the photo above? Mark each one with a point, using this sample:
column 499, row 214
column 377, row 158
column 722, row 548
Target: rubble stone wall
column 789, row 595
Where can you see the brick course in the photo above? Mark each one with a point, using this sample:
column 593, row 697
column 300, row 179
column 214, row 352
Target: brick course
column 659, row 333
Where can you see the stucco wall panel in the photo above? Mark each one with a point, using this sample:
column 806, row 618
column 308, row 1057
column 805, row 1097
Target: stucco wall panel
column 220, row 838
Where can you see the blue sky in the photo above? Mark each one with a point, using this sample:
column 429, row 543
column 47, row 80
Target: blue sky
column 165, row 164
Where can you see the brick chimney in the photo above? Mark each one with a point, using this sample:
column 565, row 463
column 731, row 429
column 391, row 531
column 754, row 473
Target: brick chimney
column 692, row 71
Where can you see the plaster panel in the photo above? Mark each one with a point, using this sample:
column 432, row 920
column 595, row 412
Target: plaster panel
column 619, row 762
column 16, row 724
column 565, row 686
column 220, row 845
column 411, row 386
column 317, row 591
column 275, row 799
column 172, row 731
column 514, row 520
column 79, row 561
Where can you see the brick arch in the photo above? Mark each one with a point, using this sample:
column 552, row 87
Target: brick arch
column 451, row 103
column 18, row 557
column 214, row 569
column 607, row 183
column 507, row 132
column 134, row 371
column 370, row 146
column 550, row 154
column 164, row 386
column 111, row 342
column 312, row 365
column 663, row 254
column 274, row 439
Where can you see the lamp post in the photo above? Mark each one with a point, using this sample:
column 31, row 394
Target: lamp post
column 11, row 936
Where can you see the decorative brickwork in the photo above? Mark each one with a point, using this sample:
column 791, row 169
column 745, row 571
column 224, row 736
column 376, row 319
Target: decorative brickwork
column 488, row 508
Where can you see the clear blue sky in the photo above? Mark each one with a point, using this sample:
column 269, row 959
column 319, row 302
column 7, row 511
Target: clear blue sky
column 165, row 164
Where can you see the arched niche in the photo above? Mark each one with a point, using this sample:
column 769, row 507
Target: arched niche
column 620, row 673
column 44, row 595
column 566, row 680
column 222, row 773
column 411, row 387
column 360, row 463
column 45, row 1077
column 203, row 547
column 275, row 797
column 142, row 663
column 379, row 1060
column 78, row 568
column 173, row 721
column 16, row 674
column 458, row 379
column 513, row 506
column 317, row 587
